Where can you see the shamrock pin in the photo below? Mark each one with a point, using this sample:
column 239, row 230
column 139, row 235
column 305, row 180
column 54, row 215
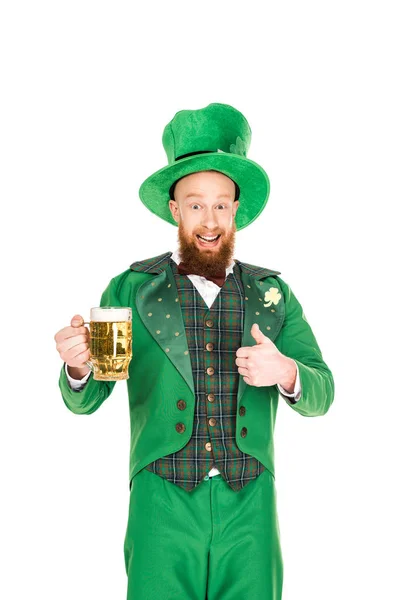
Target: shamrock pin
column 272, row 296
column 239, row 147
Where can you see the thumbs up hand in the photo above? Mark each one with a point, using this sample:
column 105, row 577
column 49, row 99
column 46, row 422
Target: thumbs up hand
column 263, row 364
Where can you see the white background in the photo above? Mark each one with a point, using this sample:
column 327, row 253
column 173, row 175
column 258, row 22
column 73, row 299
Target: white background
column 87, row 88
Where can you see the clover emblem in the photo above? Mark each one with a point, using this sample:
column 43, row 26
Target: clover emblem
column 272, row 296
column 239, row 147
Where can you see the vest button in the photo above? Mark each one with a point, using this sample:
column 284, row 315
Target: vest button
column 181, row 404
column 209, row 323
column 209, row 346
column 207, row 446
column 243, row 433
column 210, row 370
column 211, row 397
column 180, row 427
column 242, row 411
column 212, row 421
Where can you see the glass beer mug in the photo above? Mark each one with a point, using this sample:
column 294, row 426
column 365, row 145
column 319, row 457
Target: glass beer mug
column 110, row 342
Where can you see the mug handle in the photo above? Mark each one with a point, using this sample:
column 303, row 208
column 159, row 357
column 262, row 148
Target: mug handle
column 88, row 362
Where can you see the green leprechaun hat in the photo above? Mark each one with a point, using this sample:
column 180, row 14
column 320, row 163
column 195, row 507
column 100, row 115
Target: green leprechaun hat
column 215, row 137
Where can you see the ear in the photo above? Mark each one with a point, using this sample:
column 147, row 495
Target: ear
column 173, row 207
column 235, row 206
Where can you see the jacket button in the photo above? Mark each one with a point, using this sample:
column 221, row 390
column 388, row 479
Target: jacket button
column 212, row 421
column 210, row 370
column 243, row 433
column 211, row 397
column 209, row 346
column 209, row 323
column 207, row 446
column 181, row 404
column 242, row 411
column 180, row 427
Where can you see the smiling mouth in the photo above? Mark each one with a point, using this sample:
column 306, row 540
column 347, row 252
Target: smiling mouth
column 208, row 239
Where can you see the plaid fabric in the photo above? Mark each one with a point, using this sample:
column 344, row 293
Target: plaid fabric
column 214, row 421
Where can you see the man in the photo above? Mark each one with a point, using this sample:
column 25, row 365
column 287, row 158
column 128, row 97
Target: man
column 216, row 344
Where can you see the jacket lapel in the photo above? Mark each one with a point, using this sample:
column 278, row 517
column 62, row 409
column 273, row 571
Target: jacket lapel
column 159, row 308
column 264, row 304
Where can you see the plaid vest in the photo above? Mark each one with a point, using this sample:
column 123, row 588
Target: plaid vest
column 213, row 335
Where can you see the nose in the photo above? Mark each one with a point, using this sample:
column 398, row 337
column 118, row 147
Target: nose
column 209, row 220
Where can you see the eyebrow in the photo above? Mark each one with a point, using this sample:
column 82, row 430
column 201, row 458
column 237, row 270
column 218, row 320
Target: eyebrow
column 194, row 195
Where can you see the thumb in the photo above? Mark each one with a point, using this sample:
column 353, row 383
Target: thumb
column 77, row 321
column 258, row 334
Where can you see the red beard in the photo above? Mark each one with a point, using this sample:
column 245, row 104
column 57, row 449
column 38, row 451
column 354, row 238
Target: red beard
column 207, row 262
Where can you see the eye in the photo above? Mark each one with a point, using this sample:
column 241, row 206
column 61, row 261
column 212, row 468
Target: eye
column 194, row 205
column 221, row 206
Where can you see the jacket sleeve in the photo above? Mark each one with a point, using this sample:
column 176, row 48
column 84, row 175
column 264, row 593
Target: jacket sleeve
column 297, row 341
column 93, row 393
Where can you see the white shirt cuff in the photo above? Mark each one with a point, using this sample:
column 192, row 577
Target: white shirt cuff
column 76, row 383
column 297, row 388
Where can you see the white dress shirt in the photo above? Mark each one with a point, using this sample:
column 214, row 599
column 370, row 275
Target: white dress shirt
column 209, row 291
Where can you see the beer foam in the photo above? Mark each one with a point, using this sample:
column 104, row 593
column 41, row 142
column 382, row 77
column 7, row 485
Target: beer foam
column 108, row 314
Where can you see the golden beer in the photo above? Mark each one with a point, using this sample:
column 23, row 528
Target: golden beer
column 110, row 342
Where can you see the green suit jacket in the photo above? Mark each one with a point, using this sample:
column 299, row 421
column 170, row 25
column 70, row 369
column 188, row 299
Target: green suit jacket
column 160, row 371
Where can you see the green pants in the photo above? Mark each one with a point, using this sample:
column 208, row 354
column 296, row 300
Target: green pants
column 211, row 543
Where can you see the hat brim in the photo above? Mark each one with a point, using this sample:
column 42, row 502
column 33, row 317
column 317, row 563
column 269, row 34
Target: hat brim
column 250, row 177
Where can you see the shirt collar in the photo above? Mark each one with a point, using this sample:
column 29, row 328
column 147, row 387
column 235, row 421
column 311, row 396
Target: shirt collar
column 176, row 256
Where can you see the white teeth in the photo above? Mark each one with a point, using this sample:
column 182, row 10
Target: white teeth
column 208, row 239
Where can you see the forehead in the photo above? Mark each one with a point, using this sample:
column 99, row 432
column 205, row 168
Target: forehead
column 205, row 183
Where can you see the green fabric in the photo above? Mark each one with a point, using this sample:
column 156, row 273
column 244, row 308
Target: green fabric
column 212, row 543
column 224, row 133
column 159, row 378
column 188, row 466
